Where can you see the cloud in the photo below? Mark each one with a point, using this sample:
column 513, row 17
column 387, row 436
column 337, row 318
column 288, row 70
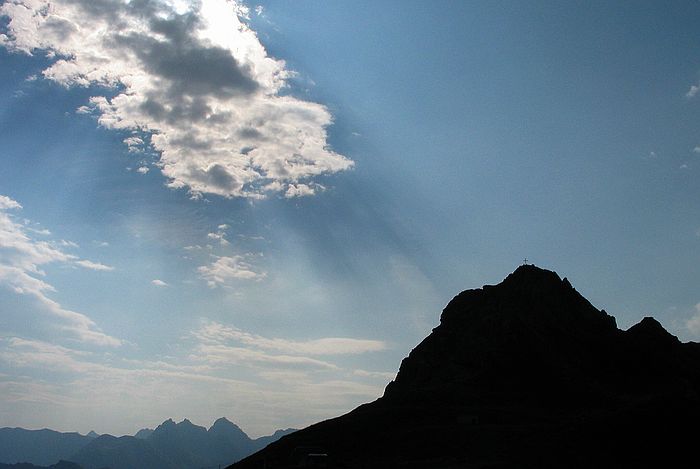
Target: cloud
column 213, row 332
column 159, row 283
column 7, row 203
column 224, row 345
column 134, row 144
column 301, row 190
column 94, row 265
column 693, row 324
column 43, row 231
column 197, row 81
column 383, row 375
column 219, row 235
column 282, row 391
column 226, row 269
column 142, row 169
column 693, row 91
column 21, row 262
column 219, row 353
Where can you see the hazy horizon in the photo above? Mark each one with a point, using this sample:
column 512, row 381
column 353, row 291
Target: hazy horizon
column 153, row 427
column 256, row 210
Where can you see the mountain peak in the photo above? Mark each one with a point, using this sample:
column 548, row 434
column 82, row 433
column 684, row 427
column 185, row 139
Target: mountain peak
column 223, row 423
column 531, row 271
column 504, row 335
column 529, row 277
column 651, row 331
column 525, row 373
column 531, row 294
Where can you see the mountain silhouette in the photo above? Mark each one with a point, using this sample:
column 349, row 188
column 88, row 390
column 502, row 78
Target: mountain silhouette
column 121, row 453
column 171, row 445
column 523, row 374
column 40, row 447
column 26, row 465
column 143, row 433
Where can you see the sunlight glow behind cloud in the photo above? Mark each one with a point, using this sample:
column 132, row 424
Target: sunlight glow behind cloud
column 193, row 82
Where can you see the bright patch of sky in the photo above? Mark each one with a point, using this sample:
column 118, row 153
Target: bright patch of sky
column 256, row 210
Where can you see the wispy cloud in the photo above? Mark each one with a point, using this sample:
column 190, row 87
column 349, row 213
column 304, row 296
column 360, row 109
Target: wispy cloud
column 22, row 259
column 94, row 265
column 693, row 324
column 159, row 283
column 220, row 353
column 197, row 81
column 383, row 375
column 213, row 332
column 278, row 389
column 219, row 235
column 226, row 269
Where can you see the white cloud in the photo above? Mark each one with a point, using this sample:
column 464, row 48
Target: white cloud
column 213, row 332
column 7, row 203
column 21, row 270
column 278, row 391
column 219, row 353
column 696, row 149
column 43, row 232
column 135, row 144
column 159, row 283
column 693, row 91
column 301, row 190
column 384, row 375
column 142, row 169
column 199, row 82
column 693, row 324
column 94, row 265
column 226, row 269
column 219, row 235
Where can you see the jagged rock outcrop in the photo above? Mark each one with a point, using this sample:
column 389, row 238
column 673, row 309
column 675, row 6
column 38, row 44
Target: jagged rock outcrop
column 526, row 373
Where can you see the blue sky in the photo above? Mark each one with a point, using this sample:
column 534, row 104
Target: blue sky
column 256, row 210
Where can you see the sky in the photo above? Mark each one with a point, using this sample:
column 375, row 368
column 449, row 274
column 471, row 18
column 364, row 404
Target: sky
column 256, row 210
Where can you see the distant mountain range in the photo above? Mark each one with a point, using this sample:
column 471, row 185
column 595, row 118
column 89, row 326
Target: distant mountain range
column 171, row 445
column 26, row 465
column 523, row 374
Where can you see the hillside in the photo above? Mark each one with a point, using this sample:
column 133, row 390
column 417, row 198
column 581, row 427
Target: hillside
column 526, row 373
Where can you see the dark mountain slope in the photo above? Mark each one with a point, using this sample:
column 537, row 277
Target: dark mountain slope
column 183, row 442
column 41, row 447
column 526, row 373
column 126, row 452
column 26, row 465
